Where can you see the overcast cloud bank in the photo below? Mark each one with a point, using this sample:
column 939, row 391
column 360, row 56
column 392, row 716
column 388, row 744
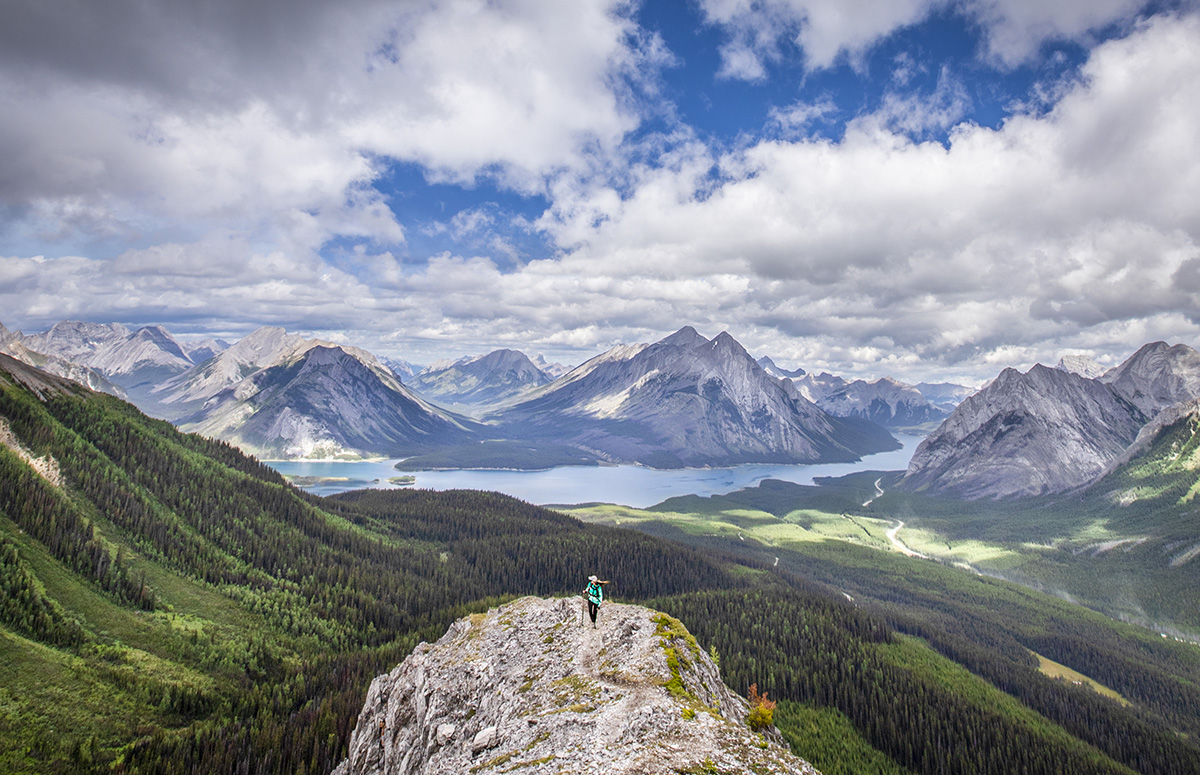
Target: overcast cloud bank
column 218, row 167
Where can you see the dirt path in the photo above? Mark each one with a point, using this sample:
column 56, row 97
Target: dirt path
column 894, row 536
column 878, row 492
column 612, row 717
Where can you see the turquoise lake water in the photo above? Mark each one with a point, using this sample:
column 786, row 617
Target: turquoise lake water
column 627, row 485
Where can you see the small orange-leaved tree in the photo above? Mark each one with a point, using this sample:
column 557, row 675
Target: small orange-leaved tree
column 762, row 710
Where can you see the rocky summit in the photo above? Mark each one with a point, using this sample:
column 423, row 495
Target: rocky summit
column 687, row 401
column 1043, row 431
column 532, row 688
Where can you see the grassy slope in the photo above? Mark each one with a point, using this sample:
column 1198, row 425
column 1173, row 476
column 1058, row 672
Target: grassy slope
column 111, row 691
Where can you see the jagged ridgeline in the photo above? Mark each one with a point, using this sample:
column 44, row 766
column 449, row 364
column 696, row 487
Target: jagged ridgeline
column 172, row 606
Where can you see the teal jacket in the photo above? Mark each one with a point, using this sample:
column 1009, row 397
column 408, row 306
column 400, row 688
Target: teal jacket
column 594, row 592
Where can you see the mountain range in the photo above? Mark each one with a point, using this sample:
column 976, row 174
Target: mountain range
column 682, row 401
column 325, row 401
column 886, row 401
column 110, row 357
column 12, row 344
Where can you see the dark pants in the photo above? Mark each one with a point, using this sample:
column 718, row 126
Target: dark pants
column 593, row 609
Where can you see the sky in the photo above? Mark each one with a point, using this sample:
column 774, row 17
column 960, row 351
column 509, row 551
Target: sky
column 924, row 189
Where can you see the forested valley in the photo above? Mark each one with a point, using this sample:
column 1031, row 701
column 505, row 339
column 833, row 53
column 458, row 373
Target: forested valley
column 172, row 606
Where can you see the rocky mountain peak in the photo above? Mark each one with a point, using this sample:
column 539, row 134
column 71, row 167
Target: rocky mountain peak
column 684, row 337
column 75, row 339
column 151, row 347
column 327, row 401
column 203, row 349
column 726, row 347
column 1157, row 376
column 505, row 357
column 264, row 347
column 1046, row 430
column 479, row 381
column 686, row 401
column 552, row 370
column 528, row 688
column 886, row 401
column 263, row 344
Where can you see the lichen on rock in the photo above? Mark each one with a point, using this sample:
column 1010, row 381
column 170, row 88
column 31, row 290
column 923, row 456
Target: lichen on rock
column 528, row 688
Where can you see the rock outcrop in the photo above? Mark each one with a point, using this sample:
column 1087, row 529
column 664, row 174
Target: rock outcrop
column 528, row 688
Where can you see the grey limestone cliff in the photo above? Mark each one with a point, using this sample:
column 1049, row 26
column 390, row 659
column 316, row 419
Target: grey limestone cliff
column 1157, row 376
column 1044, row 431
column 527, row 688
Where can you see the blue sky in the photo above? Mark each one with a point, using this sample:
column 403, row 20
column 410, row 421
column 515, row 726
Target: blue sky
column 922, row 189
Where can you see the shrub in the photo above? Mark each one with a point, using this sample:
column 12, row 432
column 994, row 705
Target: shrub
column 762, row 710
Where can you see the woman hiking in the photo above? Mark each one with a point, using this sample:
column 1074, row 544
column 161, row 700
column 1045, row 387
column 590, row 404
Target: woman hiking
column 595, row 597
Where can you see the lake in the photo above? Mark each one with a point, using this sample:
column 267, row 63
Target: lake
column 628, row 485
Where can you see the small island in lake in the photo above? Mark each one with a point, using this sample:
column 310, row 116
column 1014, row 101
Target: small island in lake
column 313, row 481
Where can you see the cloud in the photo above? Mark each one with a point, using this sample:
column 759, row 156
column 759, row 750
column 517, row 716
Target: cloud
column 920, row 115
column 824, row 32
column 225, row 153
column 1052, row 228
column 823, row 29
column 799, row 116
column 1016, row 29
column 277, row 117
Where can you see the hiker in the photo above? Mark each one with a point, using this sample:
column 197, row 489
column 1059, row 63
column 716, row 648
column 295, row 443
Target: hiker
column 595, row 596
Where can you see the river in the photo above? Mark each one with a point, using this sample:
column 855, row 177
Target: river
column 628, row 485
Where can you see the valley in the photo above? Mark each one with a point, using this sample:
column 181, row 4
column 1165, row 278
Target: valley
column 1096, row 559
column 202, row 612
